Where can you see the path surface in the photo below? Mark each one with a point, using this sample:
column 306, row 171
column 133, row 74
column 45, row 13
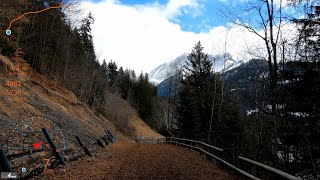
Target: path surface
column 125, row 160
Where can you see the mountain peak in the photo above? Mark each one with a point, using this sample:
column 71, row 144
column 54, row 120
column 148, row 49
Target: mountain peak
column 221, row 62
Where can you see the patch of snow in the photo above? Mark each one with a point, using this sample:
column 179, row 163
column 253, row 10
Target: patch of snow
column 279, row 106
column 300, row 114
column 220, row 63
column 284, row 82
column 281, row 156
column 249, row 112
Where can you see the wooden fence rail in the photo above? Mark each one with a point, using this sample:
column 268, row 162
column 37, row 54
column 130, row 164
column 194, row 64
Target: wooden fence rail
column 210, row 151
column 271, row 169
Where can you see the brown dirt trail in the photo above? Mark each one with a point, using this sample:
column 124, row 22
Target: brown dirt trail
column 125, row 160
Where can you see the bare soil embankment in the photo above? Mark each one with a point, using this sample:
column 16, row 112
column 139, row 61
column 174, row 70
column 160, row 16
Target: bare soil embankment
column 49, row 105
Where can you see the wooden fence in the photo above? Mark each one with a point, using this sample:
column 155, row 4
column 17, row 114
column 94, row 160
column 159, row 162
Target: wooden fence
column 5, row 158
column 216, row 153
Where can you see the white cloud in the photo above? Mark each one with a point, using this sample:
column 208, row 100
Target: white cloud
column 143, row 37
column 175, row 7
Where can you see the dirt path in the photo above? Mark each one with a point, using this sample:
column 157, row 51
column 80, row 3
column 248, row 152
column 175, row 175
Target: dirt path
column 124, row 160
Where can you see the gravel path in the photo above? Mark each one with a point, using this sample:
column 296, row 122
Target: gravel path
column 125, row 160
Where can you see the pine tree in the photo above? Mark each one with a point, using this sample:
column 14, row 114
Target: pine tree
column 112, row 73
column 195, row 107
column 86, row 37
column 195, row 102
column 309, row 34
column 307, row 88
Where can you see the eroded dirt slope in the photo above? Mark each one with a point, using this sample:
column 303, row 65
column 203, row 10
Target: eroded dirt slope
column 48, row 105
column 48, row 100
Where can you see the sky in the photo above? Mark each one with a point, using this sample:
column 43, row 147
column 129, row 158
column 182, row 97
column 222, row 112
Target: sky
column 142, row 34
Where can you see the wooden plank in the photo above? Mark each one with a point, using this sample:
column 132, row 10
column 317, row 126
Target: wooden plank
column 271, row 169
column 199, row 142
column 221, row 160
column 24, row 153
column 25, row 159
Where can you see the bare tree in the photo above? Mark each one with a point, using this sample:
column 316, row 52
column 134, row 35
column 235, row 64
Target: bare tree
column 270, row 20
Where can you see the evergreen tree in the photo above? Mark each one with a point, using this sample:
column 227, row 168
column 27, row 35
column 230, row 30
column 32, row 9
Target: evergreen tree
column 112, row 73
column 104, row 68
column 195, row 107
column 195, row 102
column 86, row 37
column 308, row 43
column 133, row 75
column 125, row 82
column 120, row 72
column 306, row 91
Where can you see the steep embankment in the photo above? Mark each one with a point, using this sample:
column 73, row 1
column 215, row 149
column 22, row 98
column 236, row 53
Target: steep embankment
column 126, row 118
column 48, row 105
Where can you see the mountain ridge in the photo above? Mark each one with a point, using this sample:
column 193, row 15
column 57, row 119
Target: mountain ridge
column 220, row 62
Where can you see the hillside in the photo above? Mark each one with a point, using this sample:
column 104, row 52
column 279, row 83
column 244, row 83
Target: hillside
column 49, row 105
column 126, row 119
column 246, row 82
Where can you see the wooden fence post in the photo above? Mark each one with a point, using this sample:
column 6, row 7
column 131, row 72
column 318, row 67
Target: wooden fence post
column 105, row 139
column 109, row 136
column 100, row 143
column 79, row 141
column 5, row 164
column 53, row 147
column 86, row 150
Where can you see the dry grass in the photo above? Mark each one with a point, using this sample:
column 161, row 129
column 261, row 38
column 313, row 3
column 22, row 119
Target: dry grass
column 127, row 119
column 142, row 129
column 4, row 61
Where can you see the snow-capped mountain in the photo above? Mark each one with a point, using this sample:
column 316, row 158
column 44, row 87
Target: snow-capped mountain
column 219, row 62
